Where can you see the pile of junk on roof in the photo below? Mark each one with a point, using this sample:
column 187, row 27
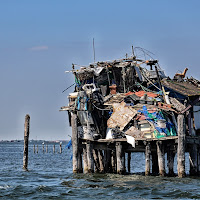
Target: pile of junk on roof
column 130, row 98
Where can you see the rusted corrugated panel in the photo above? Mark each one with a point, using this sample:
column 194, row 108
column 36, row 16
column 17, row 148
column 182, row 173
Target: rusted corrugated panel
column 121, row 115
column 182, row 87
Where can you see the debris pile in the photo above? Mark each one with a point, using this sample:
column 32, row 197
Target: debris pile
column 131, row 98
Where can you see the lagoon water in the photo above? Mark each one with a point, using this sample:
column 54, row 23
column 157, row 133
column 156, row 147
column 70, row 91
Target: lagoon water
column 50, row 177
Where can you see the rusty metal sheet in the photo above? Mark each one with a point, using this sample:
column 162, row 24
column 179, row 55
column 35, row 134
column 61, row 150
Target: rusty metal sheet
column 121, row 115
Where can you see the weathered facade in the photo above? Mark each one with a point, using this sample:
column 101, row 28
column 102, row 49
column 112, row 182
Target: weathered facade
column 130, row 105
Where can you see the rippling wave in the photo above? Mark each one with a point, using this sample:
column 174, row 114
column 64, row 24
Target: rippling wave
column 50, row 177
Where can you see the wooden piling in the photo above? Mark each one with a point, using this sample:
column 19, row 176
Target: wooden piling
column 113, row 161
column 80, row 165
column 43, row 147
column 170, row 162
column 147, row 158
column 26, row 138
column 54, row 148
column 181, row 146
column 119, row 156
column 101, row 163
column 161, row 157
column 74, row 142
column 34, row 148
column 129, row 162
column 60, row 147
column 96, row 160
column 155, row 168
column 37, row 148
column 193, row 160
column 85, row 162
column 90, row 159
column 107, row 160
column 46, row 148
column 198, row 159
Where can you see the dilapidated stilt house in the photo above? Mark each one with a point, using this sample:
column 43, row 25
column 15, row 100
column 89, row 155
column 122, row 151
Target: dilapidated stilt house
column 129, row 105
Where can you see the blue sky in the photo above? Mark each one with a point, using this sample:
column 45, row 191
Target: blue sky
column 40, row 39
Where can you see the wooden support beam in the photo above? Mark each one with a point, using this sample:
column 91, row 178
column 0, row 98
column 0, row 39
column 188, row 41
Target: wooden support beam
column 107, row 160
column 119, row 156
column 181, row 146
column 96, row 160
column 85, row 161
column 74, row 142
column 80, row 162
column 170, row 161
column 113, row 161
column 161, row 157
column 129, row 162
column 90, row 159
column 101, row 164
column 26, row 138
column 155, row 168
column 147, row 158
column 193, row 160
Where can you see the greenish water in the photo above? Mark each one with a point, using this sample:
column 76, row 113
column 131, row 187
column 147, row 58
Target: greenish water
column 50, row 177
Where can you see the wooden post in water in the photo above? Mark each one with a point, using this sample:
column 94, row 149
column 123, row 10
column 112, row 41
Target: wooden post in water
column 198, row 159
column 181, row 146
column 119, row 156
column 101, row 164
column 60, row 147
column 37, row 148
column 193, row 160
column 74, row 142
column 80, row 165
column 26, row 138
column 113, row 161
column 46, row 148
column 43, row 147
column 107, row 160
column 90, row 159
column 85, row 162
column 161, row 157
column 54, row 148
column 129, row 162
column 170, row 161
column 33, row 148
column 155, row 168
column 147, row 158
column 96, row 160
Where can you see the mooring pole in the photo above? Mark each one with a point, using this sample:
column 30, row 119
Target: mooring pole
column 181, row 146
column 37, row 148
column 46, row 148
column 60, row 147
column 54, row 148
column 26, row 138
column 43, row 147
column 34, row 148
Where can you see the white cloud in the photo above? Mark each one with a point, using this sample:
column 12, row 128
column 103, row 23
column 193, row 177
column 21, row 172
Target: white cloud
column 39, row 48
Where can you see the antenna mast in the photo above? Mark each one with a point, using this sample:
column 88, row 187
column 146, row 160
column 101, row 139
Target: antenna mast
column 94, row 50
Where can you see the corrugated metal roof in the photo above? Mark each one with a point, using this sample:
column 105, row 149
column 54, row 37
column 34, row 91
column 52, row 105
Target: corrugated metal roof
column 184, row 88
